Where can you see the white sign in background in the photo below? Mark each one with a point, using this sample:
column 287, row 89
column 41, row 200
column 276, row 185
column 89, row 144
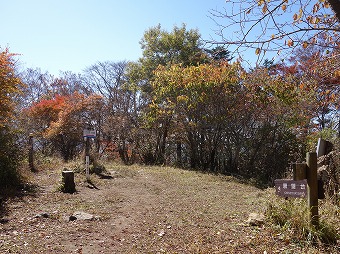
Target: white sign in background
column 89, row 133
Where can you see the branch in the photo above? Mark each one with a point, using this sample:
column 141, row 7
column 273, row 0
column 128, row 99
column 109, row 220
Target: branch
column 254, row 22
column 281, row 36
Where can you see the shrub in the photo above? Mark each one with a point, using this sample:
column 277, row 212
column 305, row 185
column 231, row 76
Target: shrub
column 291, row 217
column 9, row 159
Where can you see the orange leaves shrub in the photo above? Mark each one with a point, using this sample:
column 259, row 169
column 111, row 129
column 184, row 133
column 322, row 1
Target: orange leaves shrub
column 63, row 118
column 47, row 110
column 70, row 117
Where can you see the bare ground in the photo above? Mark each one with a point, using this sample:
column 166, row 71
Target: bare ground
column 139, row 210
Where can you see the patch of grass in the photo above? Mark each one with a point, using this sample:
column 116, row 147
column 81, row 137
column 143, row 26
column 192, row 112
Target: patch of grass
column 77, row 166
column 42, row 162
column 291, row 219
column 122, row 171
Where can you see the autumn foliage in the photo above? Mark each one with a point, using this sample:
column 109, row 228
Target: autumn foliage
column 225, row 119
column 184, row 105
column 10, row 85
column 46, row 111
column 62, row 120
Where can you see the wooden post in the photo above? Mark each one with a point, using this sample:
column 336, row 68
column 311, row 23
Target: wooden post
column 68, row 181
column 312, row 191
column 87, row 158
column 30, row 152
column 299, row 171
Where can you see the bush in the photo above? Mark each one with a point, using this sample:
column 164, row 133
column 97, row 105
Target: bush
column 291, row 217
column 9, row 160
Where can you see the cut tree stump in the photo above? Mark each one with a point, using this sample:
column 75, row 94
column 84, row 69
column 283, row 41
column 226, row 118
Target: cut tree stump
column 68, row 181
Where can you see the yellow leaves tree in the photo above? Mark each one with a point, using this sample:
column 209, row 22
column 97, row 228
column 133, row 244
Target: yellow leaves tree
column 196, row 101
column 227, row 119
column 193, row 87
column 9, row 86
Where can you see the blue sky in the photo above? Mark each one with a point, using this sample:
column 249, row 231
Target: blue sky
column 70, row 35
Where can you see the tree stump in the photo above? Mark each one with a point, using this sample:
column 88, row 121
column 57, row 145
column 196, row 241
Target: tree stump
column 68, row 181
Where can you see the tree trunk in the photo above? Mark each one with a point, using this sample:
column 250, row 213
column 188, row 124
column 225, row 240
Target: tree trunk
column 179, row 153
column 68, row 182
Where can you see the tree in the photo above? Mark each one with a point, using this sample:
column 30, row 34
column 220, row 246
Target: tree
column 10, row 85
column 228, row 120
column 37, row 85
column 319, row 72
column 165, row 48
column 277, row 25
column 219, row 53
column 62, row 119
column 162, row 48
column 68, row 83
column 119, row 117
column 197, row 101
column 42, row 99
column 80, row 112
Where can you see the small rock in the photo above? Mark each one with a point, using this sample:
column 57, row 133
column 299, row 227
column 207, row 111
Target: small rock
column 255, row 219
column 79, row 215
column 42, row 215
column 90, row 186
column 4, row 220
column 161, row 233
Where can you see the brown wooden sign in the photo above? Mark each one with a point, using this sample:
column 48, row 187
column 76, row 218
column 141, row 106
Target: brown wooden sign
column 291, row 188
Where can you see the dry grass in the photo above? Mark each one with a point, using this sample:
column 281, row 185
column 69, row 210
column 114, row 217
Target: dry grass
column 291, row 218
column 145, row 210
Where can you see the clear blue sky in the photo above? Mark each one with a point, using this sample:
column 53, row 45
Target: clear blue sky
column 70, row 35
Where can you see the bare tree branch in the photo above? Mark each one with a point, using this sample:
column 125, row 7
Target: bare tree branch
column 276, row 25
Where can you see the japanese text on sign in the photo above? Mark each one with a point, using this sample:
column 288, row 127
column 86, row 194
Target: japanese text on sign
column 291, row 188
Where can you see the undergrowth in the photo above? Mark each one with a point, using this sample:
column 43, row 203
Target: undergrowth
column 291, row 219
column 10, row 157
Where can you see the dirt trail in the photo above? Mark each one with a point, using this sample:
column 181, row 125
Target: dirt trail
column 137, row 210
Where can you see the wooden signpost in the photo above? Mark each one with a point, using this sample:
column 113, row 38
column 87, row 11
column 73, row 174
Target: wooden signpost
column 312, row 179
column 87, row 134
column 305, row 183
column 30, row 152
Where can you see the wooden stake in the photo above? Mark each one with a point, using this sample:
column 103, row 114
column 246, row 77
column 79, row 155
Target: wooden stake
column 312, row 191
column 30, row 152
column 87, row 158
column 299, row 171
